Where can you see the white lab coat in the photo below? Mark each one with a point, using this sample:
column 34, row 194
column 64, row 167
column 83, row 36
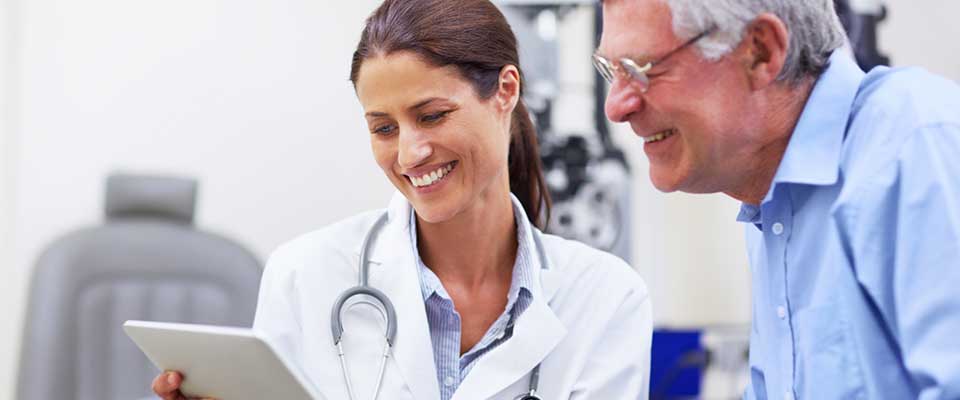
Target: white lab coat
column 589, row 323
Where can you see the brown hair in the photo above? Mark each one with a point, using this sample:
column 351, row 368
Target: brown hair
column 474, row 37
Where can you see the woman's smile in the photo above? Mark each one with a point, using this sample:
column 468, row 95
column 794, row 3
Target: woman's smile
column 430, row 179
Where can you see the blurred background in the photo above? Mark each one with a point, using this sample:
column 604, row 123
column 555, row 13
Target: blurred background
column 251, row 100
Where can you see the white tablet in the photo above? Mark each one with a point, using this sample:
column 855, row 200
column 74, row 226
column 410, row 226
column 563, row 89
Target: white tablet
column 221, row 362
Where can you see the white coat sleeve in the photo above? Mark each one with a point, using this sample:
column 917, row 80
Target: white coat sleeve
column 619, row 366
column 278, row 315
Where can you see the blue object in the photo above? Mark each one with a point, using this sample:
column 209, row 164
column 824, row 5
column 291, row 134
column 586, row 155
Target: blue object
column 675, row 364
column 855, row 251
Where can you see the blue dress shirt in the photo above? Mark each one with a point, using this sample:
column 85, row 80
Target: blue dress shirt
column 444, row 320
column 855, row 251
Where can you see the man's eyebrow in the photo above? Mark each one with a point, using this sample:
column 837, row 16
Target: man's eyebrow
column 636, row 57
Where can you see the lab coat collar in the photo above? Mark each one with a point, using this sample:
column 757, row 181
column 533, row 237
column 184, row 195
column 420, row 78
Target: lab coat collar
column 813, row 154
column 536, row 333
column 400, row 212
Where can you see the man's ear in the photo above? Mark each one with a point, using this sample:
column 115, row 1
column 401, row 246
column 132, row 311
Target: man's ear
column 764, row 50
column 508, row 88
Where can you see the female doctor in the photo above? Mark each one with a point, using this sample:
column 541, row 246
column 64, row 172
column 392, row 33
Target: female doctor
column 483, row 300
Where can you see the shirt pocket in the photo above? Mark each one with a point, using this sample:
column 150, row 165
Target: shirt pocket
column 827, row 366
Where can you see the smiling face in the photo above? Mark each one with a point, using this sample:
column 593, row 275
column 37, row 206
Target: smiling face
column 437, row 141
column 695, row 114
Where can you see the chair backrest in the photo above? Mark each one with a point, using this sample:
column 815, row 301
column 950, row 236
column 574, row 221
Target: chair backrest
column 146, row 262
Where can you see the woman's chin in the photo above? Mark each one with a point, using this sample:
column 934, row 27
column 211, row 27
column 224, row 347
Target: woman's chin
column 433, row 214
column 435, row 210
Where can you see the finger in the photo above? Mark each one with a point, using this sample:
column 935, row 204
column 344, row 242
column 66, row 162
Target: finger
column 166, row 385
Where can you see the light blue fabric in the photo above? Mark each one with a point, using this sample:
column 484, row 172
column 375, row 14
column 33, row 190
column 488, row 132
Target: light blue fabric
column 855, row 251
column 444, row 320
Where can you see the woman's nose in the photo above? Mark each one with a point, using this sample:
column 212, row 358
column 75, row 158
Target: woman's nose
column 623, row 100
column 415, row 148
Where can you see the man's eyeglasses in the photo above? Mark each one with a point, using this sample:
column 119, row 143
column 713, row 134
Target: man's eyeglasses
column 628, row 69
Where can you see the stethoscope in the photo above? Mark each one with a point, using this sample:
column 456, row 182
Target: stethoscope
column 389, row 314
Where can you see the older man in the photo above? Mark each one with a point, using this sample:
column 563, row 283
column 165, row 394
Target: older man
column 850, row 185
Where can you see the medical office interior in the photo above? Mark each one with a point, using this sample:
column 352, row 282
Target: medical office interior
column 235, row 121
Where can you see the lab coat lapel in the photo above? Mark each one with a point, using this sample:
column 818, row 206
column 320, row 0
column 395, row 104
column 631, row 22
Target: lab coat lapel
column 397, row 277
column 535, row 334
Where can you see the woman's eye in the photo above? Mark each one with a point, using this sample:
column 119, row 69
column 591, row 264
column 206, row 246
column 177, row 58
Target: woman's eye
column 383, row 129
column 431, row 118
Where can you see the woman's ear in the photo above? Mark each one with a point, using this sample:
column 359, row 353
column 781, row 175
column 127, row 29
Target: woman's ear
column 508, row 90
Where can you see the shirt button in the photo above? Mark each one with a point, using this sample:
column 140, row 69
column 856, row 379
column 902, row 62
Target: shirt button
column 782, row 312
column 777, row 228
column 448, row 381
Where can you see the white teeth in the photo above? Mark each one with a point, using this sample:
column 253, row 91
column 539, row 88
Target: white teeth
column 432, row 177
column 659, row 136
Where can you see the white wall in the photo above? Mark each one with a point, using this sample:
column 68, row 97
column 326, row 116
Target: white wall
column 250, row 97
column 11, row 285
column 923, row 33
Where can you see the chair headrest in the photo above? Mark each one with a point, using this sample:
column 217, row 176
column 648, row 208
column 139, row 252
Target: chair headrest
column 150, row 196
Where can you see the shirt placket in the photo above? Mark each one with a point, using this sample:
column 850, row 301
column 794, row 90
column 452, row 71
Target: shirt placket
column 451, row 343
column 777, row 226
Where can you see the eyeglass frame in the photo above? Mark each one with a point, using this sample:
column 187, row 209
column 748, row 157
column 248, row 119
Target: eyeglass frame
column 627, row 68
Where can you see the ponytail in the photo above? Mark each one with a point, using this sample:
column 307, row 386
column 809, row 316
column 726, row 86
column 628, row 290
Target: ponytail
column 526, row 170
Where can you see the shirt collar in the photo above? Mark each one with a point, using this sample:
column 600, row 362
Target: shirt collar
column 813, row 154
column 523, row 267
column 749, row 213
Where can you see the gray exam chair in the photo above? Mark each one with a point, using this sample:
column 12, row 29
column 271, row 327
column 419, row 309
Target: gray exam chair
column 146, row 262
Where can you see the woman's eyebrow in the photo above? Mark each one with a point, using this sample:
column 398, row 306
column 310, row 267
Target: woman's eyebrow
column 425, row 102
column 419, row 105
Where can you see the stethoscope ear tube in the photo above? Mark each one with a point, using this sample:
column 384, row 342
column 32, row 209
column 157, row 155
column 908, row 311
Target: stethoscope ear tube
column 368, row 240
column 390, row 314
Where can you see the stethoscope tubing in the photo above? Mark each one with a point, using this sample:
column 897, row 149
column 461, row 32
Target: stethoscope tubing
column 389, row 314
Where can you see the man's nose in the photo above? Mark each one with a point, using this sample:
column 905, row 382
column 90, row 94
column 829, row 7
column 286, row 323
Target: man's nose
column 623, row 100
column 415, row 148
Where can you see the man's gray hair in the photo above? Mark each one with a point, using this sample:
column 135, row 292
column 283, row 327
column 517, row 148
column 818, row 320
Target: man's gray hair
column 814, row 29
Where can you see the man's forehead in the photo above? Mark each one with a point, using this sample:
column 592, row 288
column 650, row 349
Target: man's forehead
column 635, row 28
